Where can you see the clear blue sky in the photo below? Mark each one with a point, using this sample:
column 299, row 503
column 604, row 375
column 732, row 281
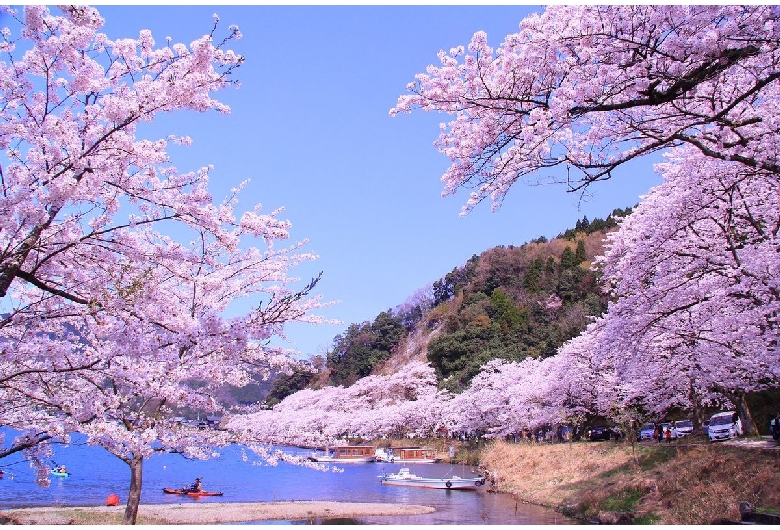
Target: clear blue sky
column 310, row 128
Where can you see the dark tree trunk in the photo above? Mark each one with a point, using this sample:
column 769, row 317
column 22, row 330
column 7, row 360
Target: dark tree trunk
column 748, row 425
column 693, row 397
column 134, row 496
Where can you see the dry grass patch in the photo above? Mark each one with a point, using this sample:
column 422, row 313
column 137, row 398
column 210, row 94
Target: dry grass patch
column 685, row 483
column 705, row 483
column 546, row 474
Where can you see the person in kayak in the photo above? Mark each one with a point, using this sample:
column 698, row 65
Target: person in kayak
column 195, row 486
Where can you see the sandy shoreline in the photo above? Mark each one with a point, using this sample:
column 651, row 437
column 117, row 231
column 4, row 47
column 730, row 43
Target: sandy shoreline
column 211, row 512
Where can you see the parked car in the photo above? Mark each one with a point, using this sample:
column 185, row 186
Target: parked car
column 646, row 432
column 724, row 426
column 683, row 427
column 600, row 432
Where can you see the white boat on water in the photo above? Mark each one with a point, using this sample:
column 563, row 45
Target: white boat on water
column 407, row 455
column 404, row 477
column 346, row 454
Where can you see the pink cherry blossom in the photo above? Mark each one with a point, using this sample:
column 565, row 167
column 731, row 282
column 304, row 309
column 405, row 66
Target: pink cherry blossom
column 117, row 269
column 592, row 87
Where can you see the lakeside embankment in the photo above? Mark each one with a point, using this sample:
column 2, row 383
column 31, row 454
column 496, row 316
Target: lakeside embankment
column 686, row 482
column 208, row 513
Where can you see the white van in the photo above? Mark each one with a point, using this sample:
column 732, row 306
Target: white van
column 724, row 426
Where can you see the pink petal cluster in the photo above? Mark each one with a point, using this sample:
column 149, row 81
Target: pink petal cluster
column 591, row 87
column 403, row 403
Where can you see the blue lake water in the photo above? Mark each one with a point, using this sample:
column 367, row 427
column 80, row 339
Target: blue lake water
column 96, row 474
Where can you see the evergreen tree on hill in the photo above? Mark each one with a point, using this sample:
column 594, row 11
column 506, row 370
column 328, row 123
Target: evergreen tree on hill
column 363, row 346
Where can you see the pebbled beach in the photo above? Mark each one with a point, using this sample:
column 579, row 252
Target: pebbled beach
column 209, row 513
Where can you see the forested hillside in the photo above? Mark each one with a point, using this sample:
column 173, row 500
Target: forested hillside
column 508, row 302
column 511, row 303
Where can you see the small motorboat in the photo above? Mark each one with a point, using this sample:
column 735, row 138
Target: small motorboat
column 185, row 491
column 404, row 477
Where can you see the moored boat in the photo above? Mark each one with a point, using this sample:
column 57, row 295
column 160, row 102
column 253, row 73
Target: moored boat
column 345, row 454
column 404, row 477
column 407, row 455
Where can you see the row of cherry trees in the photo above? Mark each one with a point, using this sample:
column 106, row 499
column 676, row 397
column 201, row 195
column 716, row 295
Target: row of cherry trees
column 406, row 402
column 504, row 398
column 693, row 271
column 690, row 325
column 116, row 268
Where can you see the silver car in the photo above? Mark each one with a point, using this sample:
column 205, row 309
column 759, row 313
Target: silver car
column 646, row 432
column 724, row 426
column 684, row 428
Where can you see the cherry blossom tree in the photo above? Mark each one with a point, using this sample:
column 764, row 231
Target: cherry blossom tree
column 588, row 88
column 506, row 398
column 178, row 355
column 693, row 318
column 591, row 87
column 500, row 400
column 116, row 270
column 693, row 271
column 579, row 384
